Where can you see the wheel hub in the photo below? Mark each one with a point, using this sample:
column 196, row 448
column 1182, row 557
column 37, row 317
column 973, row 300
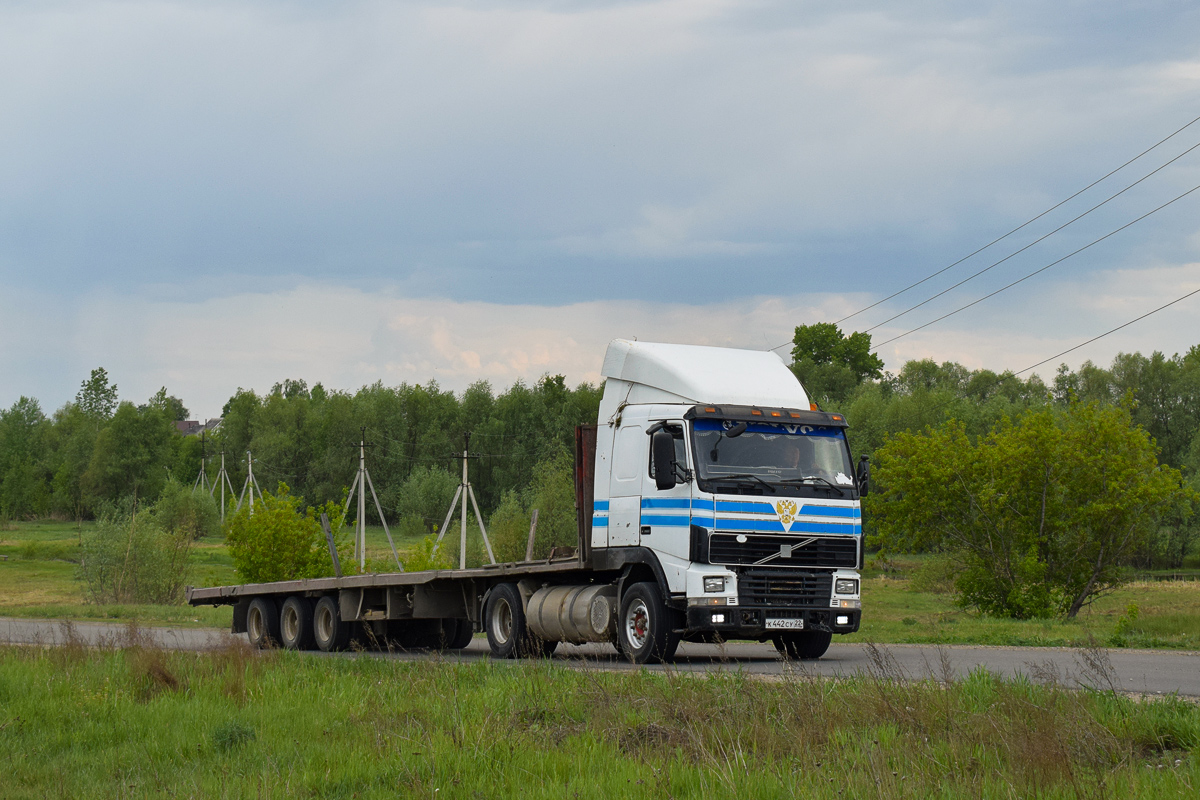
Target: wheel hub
column 637, row 624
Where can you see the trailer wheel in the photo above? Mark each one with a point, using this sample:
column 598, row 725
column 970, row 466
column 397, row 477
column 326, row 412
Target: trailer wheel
column 646, row 631
column 804, row 645
column 262, row 623
column 295, row 624
column 459, row 633
column 329, row 629
column 505, row 618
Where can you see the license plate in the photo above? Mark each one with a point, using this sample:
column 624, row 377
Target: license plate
column 785, row 624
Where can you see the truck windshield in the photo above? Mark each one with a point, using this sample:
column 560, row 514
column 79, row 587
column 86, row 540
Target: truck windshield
column 787, row 457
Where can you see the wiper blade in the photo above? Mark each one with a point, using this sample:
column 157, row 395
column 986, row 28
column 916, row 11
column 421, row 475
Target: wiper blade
column 742, row 477
column 814, row 479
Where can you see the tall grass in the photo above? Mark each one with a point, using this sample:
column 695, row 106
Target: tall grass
column 132, row 720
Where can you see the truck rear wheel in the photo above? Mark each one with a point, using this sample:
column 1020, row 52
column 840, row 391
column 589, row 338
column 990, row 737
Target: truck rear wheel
column 296, row 624
column 262, row 623
column 646, row 629
column 804, row 645
column 329, row 629
column 505, row 621
column 507, row 632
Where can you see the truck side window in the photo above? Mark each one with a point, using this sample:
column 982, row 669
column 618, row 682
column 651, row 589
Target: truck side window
column 676, row 431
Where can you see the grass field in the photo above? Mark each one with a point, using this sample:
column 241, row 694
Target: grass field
column 1167, row 616
column 37, row 580
column 139, row 722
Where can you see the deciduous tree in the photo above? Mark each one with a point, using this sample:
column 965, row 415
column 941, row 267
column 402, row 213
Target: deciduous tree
column 1040, row 514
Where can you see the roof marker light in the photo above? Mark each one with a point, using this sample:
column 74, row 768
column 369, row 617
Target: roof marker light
column 794, row 414
column 776, row 414
column 756, row 412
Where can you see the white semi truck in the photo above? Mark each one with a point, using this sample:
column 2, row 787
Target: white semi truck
column 714, row 502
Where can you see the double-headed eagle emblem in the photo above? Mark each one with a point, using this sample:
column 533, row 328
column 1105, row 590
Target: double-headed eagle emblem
column 787, row 511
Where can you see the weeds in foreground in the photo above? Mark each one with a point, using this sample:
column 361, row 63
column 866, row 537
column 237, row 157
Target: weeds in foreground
column 130, row 719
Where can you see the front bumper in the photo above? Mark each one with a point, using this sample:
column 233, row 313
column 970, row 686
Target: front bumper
column 737, row 622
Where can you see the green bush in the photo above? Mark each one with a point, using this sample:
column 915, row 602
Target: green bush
column 276, row 542
column 508, row 528
column 180, row 510
column 552, row 493
column 424, row 557
column 131, row 559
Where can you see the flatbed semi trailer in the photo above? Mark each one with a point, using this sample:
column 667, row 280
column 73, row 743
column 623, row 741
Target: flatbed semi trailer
column 714, row 502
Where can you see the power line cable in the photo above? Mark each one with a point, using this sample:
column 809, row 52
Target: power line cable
column 1037, row 271
column 1006, row 374
column 1021, row 226
column 1114, row 330
column 1031, row 244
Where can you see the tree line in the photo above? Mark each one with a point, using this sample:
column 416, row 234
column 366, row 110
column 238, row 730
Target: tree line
column 98, row 452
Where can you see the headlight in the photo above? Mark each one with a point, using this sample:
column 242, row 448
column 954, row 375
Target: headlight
column 714, row 583
column 846, row 586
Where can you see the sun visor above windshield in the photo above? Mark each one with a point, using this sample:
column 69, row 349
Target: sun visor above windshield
column 765, row 416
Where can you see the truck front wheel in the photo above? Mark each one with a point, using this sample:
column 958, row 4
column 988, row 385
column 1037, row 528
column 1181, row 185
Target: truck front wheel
column 646, row 632
column 803, row 645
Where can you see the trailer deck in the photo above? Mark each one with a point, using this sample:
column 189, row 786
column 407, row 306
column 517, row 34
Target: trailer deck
column 229, row 595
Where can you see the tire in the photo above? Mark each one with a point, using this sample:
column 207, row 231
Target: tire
column 296, row 624
column 507, row 633
column 646, row 626
column 505, row 621
column 805, row 645
column 262, row 623
column 330, row 631
column 459, row 633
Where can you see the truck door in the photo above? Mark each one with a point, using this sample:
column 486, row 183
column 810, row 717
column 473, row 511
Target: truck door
column 630, row 447
column 667, row 513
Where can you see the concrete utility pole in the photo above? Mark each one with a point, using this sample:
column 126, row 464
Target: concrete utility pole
column 222, row 481
column 361, row 482
column 464, row 491
column 250, row 484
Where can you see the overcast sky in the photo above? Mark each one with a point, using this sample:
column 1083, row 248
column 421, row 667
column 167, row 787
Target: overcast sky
column 213, row 195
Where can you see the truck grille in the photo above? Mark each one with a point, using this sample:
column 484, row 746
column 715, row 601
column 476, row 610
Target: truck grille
column 764, row 588
column 724, row 548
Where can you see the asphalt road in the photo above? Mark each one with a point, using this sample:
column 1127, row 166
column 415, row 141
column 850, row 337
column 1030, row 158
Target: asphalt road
column 1136, row 671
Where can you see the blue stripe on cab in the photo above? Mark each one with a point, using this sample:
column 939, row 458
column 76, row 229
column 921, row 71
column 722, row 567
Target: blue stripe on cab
column 743, row 507
column 600, row 505
column 666, row 502
column 665, row 521
column 829, row 511
column 599, row 522
column 823, row 527
column 769, row 525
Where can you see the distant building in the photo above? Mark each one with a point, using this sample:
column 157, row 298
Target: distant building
column 191, row 427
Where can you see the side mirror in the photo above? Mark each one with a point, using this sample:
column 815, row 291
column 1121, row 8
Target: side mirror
column 662, row 447
column 736, row 430
column 863, row 476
